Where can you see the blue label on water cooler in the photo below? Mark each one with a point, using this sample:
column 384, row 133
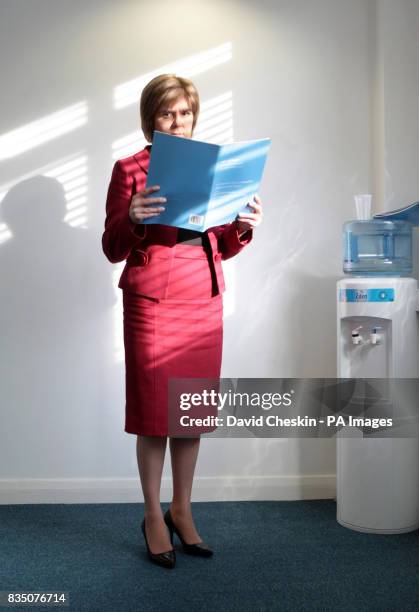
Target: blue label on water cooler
column 366, row 295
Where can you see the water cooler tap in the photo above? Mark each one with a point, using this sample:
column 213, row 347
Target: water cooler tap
column 356, row 337
column 375, row 338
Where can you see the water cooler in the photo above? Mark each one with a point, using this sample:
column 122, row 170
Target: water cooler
column 378, row 337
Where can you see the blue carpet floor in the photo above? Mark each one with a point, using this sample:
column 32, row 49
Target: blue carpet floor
column 268, row 556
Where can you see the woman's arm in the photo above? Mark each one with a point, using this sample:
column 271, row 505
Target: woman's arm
column 230, row 240
column 121, row 233
column 234, row 236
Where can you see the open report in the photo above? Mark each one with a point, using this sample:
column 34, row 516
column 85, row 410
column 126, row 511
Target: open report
column 205, row 184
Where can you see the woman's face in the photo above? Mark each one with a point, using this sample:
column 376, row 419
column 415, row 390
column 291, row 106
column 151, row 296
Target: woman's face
column 176, row 118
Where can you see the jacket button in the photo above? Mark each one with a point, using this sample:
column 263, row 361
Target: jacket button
column 142, row 258
column 217, row 257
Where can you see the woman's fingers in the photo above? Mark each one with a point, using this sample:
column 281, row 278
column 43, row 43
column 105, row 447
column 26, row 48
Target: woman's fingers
column 246, row 216
column 142, row 208
column 143, row 214
column 148, row 190
column 141, row 201
column 148, row 201
column 248, row 220
column 257, row 207
column 256, row 204
column 145, row 211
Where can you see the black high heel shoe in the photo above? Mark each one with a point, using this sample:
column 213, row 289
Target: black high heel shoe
column 165, row 559
column 199, row 550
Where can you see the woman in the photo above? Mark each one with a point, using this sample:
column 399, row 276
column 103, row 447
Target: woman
column 172, row 285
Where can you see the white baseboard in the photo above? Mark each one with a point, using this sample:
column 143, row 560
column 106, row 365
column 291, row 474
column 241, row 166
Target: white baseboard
column 128, row 490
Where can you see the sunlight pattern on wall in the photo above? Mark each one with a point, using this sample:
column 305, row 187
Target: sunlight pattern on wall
column 128, row 145
column 43, row 130
column 215, row 122
column 73, row 175
column 5, row 233
column 129, row 92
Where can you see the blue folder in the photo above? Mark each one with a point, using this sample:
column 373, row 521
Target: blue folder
column 205, row 184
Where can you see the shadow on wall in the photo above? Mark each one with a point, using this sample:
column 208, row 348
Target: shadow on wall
column 54, row 329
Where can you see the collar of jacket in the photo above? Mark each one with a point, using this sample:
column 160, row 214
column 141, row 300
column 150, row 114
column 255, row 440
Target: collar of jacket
column 143, row 158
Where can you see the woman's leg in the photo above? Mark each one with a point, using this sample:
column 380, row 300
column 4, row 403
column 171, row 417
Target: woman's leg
column 184, row 453
column 150, row 456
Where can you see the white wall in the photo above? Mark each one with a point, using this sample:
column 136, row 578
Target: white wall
column 396, row 108
column 398, row 29
column 312, row 75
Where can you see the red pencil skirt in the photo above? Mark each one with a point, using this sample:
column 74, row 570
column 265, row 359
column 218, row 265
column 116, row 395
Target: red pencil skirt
column 176, row 337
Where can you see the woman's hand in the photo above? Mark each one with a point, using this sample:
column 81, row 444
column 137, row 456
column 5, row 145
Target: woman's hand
column 140, row 207
column 247, row 220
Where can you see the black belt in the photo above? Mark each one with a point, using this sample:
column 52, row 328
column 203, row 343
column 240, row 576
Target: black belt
column 192, row 237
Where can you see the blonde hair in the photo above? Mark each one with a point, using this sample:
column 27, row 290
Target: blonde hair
column 161, row 90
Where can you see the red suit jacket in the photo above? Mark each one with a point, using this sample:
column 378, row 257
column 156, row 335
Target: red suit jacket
column 148, row 249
